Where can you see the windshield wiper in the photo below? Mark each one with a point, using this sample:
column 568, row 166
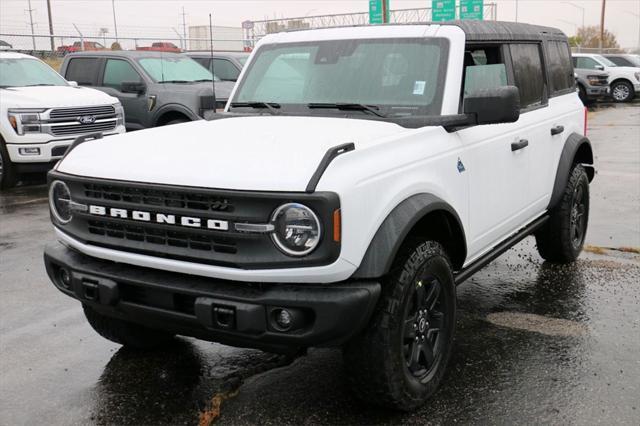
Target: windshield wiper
column 202, row 80
column 39, row 84
column 175, row 81
column 271, row 106
column 373, row 109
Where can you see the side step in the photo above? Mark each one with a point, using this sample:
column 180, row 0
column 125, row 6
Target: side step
column 466, row 273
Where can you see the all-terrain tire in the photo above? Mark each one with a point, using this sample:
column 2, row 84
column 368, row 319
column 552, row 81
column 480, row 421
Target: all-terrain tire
column 8, row 175
column 126, row 333
column 379, row 360
column 561, row 239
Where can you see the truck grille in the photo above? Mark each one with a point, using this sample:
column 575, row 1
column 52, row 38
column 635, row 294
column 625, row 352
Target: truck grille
column 74, row 113
column 79, row 128
column 222, row 246
column 157, row 198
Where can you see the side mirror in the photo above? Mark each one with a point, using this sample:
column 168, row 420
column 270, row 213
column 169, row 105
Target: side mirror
column 493, row 106
column 600, row 67
column 73, row 83
column 132, row 87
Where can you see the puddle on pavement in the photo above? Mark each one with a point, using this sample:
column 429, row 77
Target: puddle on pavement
column 537, row 323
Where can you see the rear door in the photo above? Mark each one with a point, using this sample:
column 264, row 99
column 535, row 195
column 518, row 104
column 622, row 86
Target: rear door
column 116, row 72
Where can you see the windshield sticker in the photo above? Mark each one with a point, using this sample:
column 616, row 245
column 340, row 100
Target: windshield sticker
column 418, row 87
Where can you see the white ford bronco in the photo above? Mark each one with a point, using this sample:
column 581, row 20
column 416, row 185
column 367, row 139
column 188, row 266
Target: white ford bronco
column 357, row 176
column 41, row 114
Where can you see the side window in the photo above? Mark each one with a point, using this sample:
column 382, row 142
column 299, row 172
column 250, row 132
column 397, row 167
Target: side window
column 118, row 71
column 484, row 68
column 586, row 63
column 620, row 61
column 83, row 70
column 225, row 70
column 528, row 74
column 202, row 61
column 560, row 68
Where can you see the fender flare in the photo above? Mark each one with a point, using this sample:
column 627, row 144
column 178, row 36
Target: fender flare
column 577, row 149
column 386, row 243
column 173, row 108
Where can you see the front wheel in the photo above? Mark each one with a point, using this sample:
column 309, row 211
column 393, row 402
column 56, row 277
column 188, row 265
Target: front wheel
column 8, row 174
column 622, row 91
column 399, row 360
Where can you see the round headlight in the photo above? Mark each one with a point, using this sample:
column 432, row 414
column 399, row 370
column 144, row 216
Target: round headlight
column 297, row 229
column 60, row 201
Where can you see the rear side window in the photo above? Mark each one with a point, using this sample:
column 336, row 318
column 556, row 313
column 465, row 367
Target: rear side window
column 528, row 74
column 117, row 72
column 560, row 67
column 83, row 70
column 225, row 70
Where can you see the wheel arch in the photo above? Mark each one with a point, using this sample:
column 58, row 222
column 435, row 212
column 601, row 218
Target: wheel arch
column 424, row 215
column 171, row 112
column 577, row 150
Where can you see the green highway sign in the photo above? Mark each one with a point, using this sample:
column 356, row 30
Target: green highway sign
column 443, row 10
column 378, row 11
column 471, row 9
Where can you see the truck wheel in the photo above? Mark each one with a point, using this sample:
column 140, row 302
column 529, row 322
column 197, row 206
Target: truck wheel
column 126, row 333
column 7, row 169
column 561, row 239
column 399, row 360
column 582, row 93
column 622, row 91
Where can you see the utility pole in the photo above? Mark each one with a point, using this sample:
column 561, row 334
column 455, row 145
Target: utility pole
column 601, row 41
column 115, row 24
column 53, row 47
column 184, row 28
column 33, row 38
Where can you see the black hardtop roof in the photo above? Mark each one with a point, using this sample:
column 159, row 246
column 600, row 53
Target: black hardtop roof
column 505, row 31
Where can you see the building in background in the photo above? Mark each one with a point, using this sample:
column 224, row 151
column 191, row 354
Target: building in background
column 224, row 38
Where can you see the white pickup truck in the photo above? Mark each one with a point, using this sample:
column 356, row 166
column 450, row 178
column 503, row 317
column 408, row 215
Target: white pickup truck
column 41, row 114
column 358, row 175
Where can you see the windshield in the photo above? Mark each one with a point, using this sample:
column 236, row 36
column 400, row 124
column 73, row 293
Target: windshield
column 175, row 70
column 398, row 77
column 28, row 72
column 605, row 61
column 242, row 59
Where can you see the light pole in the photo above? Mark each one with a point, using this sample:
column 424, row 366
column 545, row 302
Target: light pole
column 115, row 24
column 582, row 9
column 516, row 10
column 570, row 23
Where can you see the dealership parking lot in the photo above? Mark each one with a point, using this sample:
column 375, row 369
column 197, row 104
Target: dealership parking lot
column 535, row 342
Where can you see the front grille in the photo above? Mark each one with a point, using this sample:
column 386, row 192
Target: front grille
column 157, row 198
column 74, row 113
column 159, row 236
column 78, row 128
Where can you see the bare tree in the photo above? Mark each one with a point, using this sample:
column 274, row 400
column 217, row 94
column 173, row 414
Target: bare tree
column 590, row 37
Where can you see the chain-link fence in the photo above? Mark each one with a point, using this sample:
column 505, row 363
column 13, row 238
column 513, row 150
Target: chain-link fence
column 54, row 48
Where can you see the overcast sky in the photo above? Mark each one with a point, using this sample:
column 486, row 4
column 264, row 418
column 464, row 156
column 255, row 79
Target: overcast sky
column 622, row 18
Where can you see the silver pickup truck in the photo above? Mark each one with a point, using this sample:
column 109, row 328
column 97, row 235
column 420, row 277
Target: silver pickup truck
column 592, row 84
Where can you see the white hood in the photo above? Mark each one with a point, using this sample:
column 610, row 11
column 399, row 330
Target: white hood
column 266, row 153
column 53, row 97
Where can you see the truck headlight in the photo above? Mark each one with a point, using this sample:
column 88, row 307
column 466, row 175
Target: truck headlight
column 25, row 120
column 297, row 229
column 60, row 201
column 119, row 113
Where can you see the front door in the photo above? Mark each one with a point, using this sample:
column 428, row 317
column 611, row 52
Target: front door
column 116, row 72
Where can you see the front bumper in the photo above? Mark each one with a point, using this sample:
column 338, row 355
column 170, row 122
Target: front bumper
column 49, row 151
column 596, row 91
column 237, row 314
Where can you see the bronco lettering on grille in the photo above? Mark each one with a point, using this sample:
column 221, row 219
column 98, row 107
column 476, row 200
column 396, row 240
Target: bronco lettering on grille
column 171, row 219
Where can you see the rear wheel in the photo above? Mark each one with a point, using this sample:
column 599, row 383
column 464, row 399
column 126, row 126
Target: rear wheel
column 8, row 174
column 400, row 359
column 126, row 333
column 562, row 237
column 622, row 91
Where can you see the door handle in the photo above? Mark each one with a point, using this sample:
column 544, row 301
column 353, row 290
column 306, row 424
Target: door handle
column 557, row 130
column 522, row 143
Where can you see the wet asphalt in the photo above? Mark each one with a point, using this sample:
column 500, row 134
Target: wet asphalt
column 535, row 342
